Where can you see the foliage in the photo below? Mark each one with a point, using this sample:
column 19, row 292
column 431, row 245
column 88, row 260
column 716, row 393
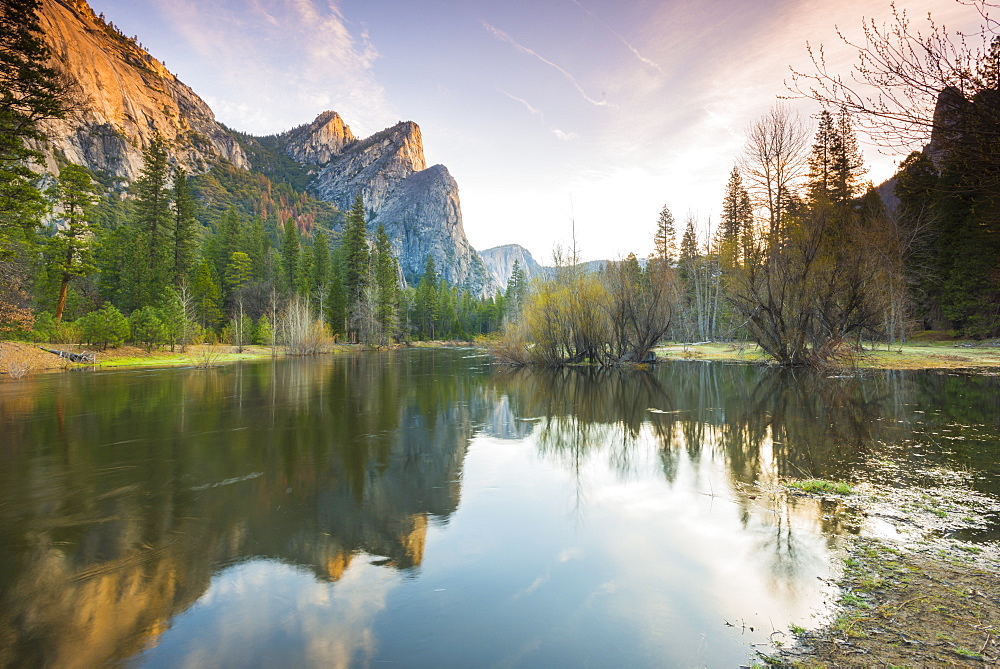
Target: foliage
column 610, row 318
column 822, row 486
column 177, row 326
column 30, row 92
column 70, row 248
column 105, row 327
column 301, row 331
column 146, row 327
column 665, row 237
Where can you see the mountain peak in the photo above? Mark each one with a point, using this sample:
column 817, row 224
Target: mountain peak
column 318, row 142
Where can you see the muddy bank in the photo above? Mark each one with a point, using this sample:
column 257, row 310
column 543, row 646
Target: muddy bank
column 914, row 590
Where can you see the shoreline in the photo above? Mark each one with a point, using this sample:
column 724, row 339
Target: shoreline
column 942, row 355
column 910, row 591
column 956, row 354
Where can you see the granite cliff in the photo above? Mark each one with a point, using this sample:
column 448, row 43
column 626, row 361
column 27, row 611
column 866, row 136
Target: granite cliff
column 123, row 98
column 500, row 261
column 418, row 205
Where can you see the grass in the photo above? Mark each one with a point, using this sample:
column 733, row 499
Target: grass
column 915, row 354
column 821, row 486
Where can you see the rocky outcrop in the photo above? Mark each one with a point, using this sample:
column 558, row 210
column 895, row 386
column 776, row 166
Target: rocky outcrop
column 419, row 206
column 500, row 261
column 320, row 141
column 123, row 98
column 373, row 167
column 423, row 217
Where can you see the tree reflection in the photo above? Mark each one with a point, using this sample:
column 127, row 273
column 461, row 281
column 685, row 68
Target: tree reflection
column 122, row 494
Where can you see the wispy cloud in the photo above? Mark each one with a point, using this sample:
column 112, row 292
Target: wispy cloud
column 298, row 57
column 534, row 111
column 504, row 37
column 565, row 136
column 628, row 45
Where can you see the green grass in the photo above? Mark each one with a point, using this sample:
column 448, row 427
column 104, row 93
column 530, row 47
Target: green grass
column 822, row 486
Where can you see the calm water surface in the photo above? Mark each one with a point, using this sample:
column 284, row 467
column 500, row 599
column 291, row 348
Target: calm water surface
column 420, row 509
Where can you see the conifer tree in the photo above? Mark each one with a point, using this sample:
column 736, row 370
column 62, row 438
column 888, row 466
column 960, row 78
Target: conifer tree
column 173, row 317
column 238, row 271
column 320, row 264
column 426, row 301
column 737, row 218
column 825, row 151
column 689, row 249
column 185, row 240
column 386, row 276
column 207, row 297
column 848, row 163
column 355, row 253
column 665, row 238
column 303, row 271
column 517, row 290
column 336, row 304
column 70, row 247
column 154, row 221
column 30, row 92
column 290, row 254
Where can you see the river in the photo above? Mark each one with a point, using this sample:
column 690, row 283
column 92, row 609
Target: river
column 422, row 508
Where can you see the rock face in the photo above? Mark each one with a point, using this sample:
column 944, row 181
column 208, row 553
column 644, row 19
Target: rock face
column 419, row 206
column 125, row 97
column 500, row 260
column 318, row 142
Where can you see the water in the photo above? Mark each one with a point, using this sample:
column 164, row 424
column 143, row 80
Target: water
column 420, row 509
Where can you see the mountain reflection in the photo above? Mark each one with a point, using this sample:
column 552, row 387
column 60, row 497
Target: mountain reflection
column 124, row 493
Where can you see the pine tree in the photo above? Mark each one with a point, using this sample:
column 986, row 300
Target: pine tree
column 185, row 240
column 426, row 301
column 290, row 254
column 320, row 264
column 848, row 164
column 303, row 271
column 689, row 248
column 825, row 151
column 153, row 218
column 207, row 297
column 737, row 219
column 70, row 248
column 386, row 275
column 29, row 93
column 173, row 317
column 517, row 289
column 238, row 271
column 665, row 238
column 355, row 253
column 336, row 304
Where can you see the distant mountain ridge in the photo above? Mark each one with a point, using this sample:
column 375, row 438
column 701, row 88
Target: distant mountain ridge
column 126, row 99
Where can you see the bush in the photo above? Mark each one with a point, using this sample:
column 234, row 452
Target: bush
column 146, row 327
column 106, row 326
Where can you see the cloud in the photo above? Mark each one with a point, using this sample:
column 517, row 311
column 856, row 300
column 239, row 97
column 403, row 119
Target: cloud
column 534, row 111
column 565, row 136
column 278, row 63
column 504, row 37
column 635, row 52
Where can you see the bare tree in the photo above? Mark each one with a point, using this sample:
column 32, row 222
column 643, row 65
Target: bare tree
column 774, row 162
column 900, row 72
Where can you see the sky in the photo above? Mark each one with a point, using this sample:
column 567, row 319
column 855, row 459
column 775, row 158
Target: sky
column 552, row 115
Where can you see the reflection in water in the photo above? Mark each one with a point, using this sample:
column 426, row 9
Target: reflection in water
column 290, row 510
